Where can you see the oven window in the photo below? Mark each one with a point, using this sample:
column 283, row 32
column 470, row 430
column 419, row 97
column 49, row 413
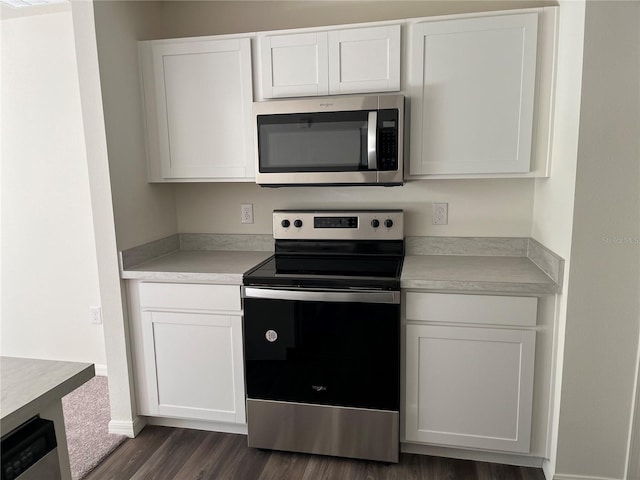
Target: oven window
column 313, row 142
column 329, row 353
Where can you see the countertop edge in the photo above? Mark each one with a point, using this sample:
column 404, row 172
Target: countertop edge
column 218, row 278
column 477, row 286
column 17, row 417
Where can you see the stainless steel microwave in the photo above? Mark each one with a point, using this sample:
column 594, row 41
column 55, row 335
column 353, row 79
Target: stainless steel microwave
column 342, row 140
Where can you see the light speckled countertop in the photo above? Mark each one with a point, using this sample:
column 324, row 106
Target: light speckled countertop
column 475, row 274
column 217, row 266
column 28, row 386
column 484, row 264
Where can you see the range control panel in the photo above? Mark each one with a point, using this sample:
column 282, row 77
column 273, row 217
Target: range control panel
column 338, row 224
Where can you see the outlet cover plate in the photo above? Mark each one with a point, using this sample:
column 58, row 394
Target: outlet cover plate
column 246, row 213
column 95, row 315
column 440, row 214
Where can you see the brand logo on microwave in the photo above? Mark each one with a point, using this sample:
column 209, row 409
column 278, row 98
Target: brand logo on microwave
column 326, row 104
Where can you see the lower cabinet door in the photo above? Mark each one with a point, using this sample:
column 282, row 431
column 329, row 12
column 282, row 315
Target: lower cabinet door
column 469, row 387
column 193, row 365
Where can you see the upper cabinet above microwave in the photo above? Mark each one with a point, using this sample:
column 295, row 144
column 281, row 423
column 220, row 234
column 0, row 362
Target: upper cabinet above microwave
column 357, row 60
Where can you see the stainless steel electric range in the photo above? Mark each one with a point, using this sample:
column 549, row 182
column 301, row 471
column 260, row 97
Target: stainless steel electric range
column 322, row 335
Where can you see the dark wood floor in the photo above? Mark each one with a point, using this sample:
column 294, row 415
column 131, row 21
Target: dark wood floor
column 175, row 453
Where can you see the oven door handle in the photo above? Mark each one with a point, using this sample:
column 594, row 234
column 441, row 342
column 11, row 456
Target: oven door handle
column 323, row 296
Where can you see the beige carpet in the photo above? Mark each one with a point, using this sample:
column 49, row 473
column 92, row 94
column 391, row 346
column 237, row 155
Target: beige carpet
column 86, row 419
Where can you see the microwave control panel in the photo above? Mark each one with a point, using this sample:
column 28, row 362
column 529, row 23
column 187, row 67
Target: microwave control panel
column 387, row 139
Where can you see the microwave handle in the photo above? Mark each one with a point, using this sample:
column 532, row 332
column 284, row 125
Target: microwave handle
column 372, row 130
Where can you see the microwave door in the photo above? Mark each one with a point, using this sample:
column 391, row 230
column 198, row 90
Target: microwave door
column 339, row 142
column 372, row 135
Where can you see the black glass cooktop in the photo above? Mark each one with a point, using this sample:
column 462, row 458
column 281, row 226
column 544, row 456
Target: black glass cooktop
column 327, row 271
column 331, row 264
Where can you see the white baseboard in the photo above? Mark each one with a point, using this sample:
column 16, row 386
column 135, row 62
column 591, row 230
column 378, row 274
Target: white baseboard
column 127, row 428
column 478, row 456
column 101, row 370
column 240, row 429
column 564, row 476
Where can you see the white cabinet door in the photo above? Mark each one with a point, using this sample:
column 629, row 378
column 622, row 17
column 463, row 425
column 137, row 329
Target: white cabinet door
column 193, row 365
column 294, row 65
column 332, row 62
column 364, row 60
column 469, row 387
column 198, row 97
column 472, row 85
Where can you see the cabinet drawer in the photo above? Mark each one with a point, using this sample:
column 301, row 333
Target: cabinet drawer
column 481, row 309
column 189, row 296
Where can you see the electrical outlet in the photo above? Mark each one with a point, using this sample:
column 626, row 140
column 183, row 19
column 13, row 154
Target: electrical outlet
column 440, row 213
column 246, row 213
column 95, row 315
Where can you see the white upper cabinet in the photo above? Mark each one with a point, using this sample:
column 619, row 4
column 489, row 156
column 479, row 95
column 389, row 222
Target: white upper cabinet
column 294, row 65
column 472, row 84
column 198, row 96
column 364, row 60
column 332, row 62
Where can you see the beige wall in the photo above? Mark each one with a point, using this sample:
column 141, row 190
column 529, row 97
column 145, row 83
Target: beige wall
column 127, row 210
column 143, row 212
column 603, row 311
column 476, row 207
column 49, row 267
column 189, row 18
column 552, row 223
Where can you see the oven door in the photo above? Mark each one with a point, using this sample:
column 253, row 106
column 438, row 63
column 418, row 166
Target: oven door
column 334, row 347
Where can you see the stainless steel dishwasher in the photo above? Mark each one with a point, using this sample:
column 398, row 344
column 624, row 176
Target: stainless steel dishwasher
column 29, row 452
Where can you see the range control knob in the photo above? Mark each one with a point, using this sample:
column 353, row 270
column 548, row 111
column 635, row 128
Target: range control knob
column 375, row 223
column 388, row 223
column 285, row 223
column 297, row 223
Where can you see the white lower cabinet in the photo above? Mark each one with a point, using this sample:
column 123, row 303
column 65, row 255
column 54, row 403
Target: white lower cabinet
column 469, row 384
column 188, row 342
